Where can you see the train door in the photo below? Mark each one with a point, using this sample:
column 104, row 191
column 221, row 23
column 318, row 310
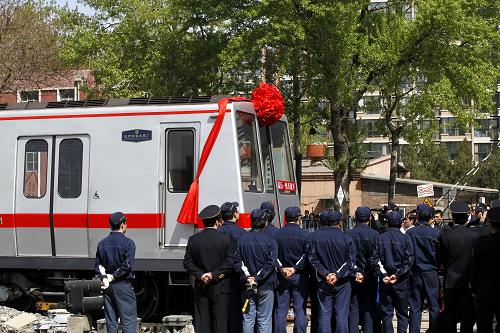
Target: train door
column 51, row 196
column 286, row 189
column 33, row 197
column 71, row 178
column 181, row 155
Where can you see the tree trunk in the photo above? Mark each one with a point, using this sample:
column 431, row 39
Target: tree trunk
column 338, row 128
column 394, row 166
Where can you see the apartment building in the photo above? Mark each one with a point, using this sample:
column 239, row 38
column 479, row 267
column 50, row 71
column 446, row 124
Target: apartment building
column 482, row 134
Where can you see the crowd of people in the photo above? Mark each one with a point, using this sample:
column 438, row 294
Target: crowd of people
column 246, row 281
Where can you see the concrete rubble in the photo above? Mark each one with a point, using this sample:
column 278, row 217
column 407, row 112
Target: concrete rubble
column 12, row 320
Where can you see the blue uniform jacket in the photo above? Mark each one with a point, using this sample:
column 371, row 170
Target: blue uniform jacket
column 396, row 253
column 271, row 230
column 331, row 251
column 425, row 246
column 233, row 230
column 116, row 254
column 256, row 255
column 292, row 248
column 366, row 241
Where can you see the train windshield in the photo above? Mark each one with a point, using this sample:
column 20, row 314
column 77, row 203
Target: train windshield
column 251, row 175
column 282, row 159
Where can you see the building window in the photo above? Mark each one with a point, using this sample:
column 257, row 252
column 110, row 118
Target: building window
column 374, row 150
column 66, row 95
column 481, row 150
column 452, row 149
column 180, row 162
column 70, row 168
column 29, row 96
column 449, row 127
column 35, row 168
column 371, row 127
column 482, row 128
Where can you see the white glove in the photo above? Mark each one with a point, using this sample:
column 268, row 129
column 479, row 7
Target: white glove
column 110, row 277
column 105, row 283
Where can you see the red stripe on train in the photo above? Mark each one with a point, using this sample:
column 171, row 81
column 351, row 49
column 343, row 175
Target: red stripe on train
column 94, row 221
column 105, row 115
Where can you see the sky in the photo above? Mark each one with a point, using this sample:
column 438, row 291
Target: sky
column 74, row 4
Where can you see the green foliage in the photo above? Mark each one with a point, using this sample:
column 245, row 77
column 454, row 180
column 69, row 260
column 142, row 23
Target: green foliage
column 488, row 175
column 147, row 47
column 354, row 162
column 427, row 161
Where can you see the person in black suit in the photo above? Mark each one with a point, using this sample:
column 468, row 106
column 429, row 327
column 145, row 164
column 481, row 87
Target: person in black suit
column 456, row 257
column 485, row 271
column 209, row 260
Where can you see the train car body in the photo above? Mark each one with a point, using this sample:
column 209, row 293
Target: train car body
column 66, row 166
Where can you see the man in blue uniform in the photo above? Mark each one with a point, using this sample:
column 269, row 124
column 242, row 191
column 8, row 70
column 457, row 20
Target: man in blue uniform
column 209, row 259
column 230, row 215
column 424, row 281
column 333, row 254
column 396, row 260
column 268, row 208
column 364, row 284
column 485, row 272
column 456, row 257
column 293, row 278
column 255, row 261
column 113, row 264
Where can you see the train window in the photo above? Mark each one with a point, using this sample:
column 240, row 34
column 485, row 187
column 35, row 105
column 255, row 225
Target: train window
column 180, row 162
column 282, row 159
column 35, row 168
column 70, row 168
column 251, row 175
column 266, row 159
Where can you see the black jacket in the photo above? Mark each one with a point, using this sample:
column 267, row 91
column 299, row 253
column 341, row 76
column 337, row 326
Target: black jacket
column 456, row 255
column 209, row 251
column 485, row 269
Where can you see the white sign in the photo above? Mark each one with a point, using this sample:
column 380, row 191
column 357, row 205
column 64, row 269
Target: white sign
column 425, row 190
column 340, row 195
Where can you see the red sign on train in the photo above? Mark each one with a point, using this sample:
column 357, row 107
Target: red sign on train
column 284, row 185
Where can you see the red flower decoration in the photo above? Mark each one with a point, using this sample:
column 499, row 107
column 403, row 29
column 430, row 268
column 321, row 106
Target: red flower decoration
column 268, row 104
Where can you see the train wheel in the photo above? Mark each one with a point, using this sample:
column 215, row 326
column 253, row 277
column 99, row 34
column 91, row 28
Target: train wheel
column 147, row 294
column 22, row 301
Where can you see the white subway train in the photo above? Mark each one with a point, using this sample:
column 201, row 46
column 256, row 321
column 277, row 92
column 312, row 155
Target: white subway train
column 65, row 166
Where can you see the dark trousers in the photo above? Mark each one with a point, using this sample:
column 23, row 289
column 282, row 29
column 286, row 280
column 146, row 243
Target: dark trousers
column 120, row 302
column 487, row 309
column 362, row 305
column 457, row 307
column 235, row 321
column 424, row 285
column 211, row 307
column 296, row 291
column 395, row 297
column 313, row 298
column 334, row 298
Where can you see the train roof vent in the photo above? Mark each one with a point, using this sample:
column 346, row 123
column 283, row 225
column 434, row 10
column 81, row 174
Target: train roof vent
column 94, row 102
column 54, row 105
column 3, row 106
column 169, row 100
column 76, row 104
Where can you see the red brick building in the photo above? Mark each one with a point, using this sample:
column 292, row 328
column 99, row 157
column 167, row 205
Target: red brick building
column 60, row 86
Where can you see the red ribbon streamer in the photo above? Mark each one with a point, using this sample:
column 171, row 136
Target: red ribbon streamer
column 189, row 210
